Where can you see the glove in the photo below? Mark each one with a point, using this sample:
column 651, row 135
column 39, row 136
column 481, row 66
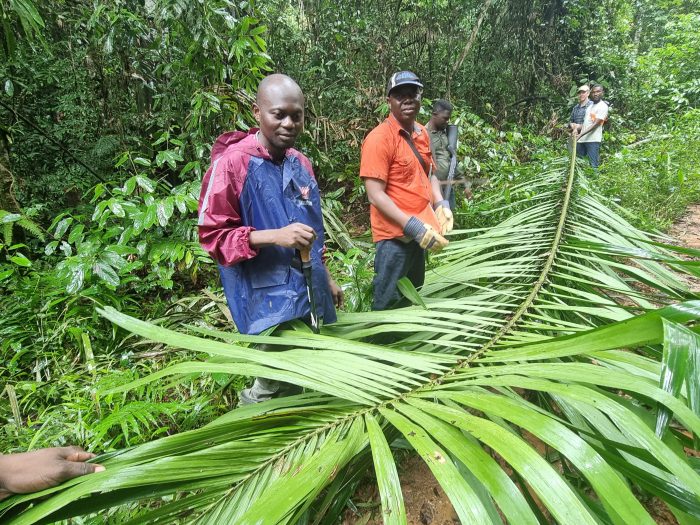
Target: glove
column 424, row 234
column 444, row 216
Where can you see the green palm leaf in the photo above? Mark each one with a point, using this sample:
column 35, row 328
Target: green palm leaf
column 543, row 330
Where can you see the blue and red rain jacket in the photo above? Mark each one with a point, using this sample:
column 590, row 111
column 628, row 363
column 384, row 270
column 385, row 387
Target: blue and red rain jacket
column 242, row 191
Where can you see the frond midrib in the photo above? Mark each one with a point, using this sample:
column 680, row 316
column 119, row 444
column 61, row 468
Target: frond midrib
column 504, row 330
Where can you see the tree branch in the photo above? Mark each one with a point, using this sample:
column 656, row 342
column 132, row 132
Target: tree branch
column 52, row 140
column 472, row 38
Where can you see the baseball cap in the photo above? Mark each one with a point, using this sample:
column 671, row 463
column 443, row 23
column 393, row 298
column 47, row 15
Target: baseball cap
column 401, row 78
column 583, row 88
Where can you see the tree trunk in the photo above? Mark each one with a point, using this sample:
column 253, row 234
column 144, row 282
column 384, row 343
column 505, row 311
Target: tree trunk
column 8, row 202
column 472, row 38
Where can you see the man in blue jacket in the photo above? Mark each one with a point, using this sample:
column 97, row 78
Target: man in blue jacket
column 259, row 203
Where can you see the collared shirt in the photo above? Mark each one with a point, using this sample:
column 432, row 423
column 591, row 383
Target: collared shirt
column 438, row 147
column 578, row 113
column 594, row 113
column 387, row 156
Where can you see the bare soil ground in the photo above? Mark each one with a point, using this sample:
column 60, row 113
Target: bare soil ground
column 427, row 504
column 687, row 228
column 687, row 232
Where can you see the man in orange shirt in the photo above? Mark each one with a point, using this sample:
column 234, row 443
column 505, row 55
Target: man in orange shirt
column 408, row 214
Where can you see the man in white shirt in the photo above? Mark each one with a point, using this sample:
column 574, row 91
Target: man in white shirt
column 591, row 133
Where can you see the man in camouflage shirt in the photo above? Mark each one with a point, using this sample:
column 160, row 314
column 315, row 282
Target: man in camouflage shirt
column 437, row 130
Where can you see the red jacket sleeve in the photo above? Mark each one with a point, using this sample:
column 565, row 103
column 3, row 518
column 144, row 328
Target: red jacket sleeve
column 221, row 231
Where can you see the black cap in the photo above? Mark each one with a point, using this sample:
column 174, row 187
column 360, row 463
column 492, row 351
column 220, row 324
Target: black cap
column 402, row 78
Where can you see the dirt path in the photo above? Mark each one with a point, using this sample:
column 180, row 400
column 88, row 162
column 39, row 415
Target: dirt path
column 687, row 228
column 687, row 231
column 426, row 502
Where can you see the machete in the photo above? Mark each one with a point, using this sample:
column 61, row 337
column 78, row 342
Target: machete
column 305, row 255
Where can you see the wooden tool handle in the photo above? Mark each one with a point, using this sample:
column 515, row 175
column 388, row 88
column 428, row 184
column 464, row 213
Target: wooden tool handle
column 305, row 254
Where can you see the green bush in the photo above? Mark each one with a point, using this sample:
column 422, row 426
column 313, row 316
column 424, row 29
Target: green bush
column 657, row 176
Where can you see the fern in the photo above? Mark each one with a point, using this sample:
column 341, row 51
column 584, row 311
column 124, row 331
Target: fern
column 7, row 233
column 32, row 227
column 136, row 418
column 8, row 219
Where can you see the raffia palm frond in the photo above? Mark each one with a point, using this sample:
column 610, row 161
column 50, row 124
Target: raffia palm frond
column 547, row 325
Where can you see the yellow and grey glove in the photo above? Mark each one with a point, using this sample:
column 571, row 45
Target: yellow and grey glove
column 444, row 216
column 424, row 234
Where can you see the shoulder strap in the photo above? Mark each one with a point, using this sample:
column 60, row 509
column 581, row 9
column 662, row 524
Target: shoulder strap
column 408, row 139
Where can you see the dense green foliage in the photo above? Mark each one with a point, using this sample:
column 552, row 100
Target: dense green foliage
column 108, row 110
column 462, row 369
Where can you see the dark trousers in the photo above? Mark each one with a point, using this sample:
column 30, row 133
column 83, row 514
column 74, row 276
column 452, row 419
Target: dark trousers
column 590, row 150
column 395, row 259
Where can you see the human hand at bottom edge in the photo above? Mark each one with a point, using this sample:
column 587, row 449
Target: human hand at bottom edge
column 42, row 469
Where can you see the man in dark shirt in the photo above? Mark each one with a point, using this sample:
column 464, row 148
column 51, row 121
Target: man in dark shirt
column 437, row 126
column 578, row 112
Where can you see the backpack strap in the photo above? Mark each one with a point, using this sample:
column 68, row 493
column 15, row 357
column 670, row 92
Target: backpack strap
column 420, row 158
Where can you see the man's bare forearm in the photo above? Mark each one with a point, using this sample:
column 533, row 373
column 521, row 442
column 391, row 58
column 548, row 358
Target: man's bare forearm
column 592, row 128
column 435, row 186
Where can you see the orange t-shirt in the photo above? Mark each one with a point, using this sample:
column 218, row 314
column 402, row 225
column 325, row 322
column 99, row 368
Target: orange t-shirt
column 387, row 156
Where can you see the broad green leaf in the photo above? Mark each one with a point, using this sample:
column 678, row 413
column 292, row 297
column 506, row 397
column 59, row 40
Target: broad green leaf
column 586, row 374
column 692, row 381
column 667, row 488
column 466, row 503
column 112, row 257
column 409, row 291
column 9, row 217
column 189, row 167
column 116, row 208
column 544, row 480
column 393, row 511
column 66, row 248
column 62, row 227
column 635, row 428
column 76, row 234
column 162, row 214
column 129, row 186
column 145, row 183
column 106, row 273
column 644, row 329
column 303, row 481
column 679, row 344
column 20, row 260
column 151, row 216
column 605, row 481
column 77, row 276
column 468, row 451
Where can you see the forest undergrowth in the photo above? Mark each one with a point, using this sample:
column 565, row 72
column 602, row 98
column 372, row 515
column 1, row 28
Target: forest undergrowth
column 108, row 112
column 60, row 354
